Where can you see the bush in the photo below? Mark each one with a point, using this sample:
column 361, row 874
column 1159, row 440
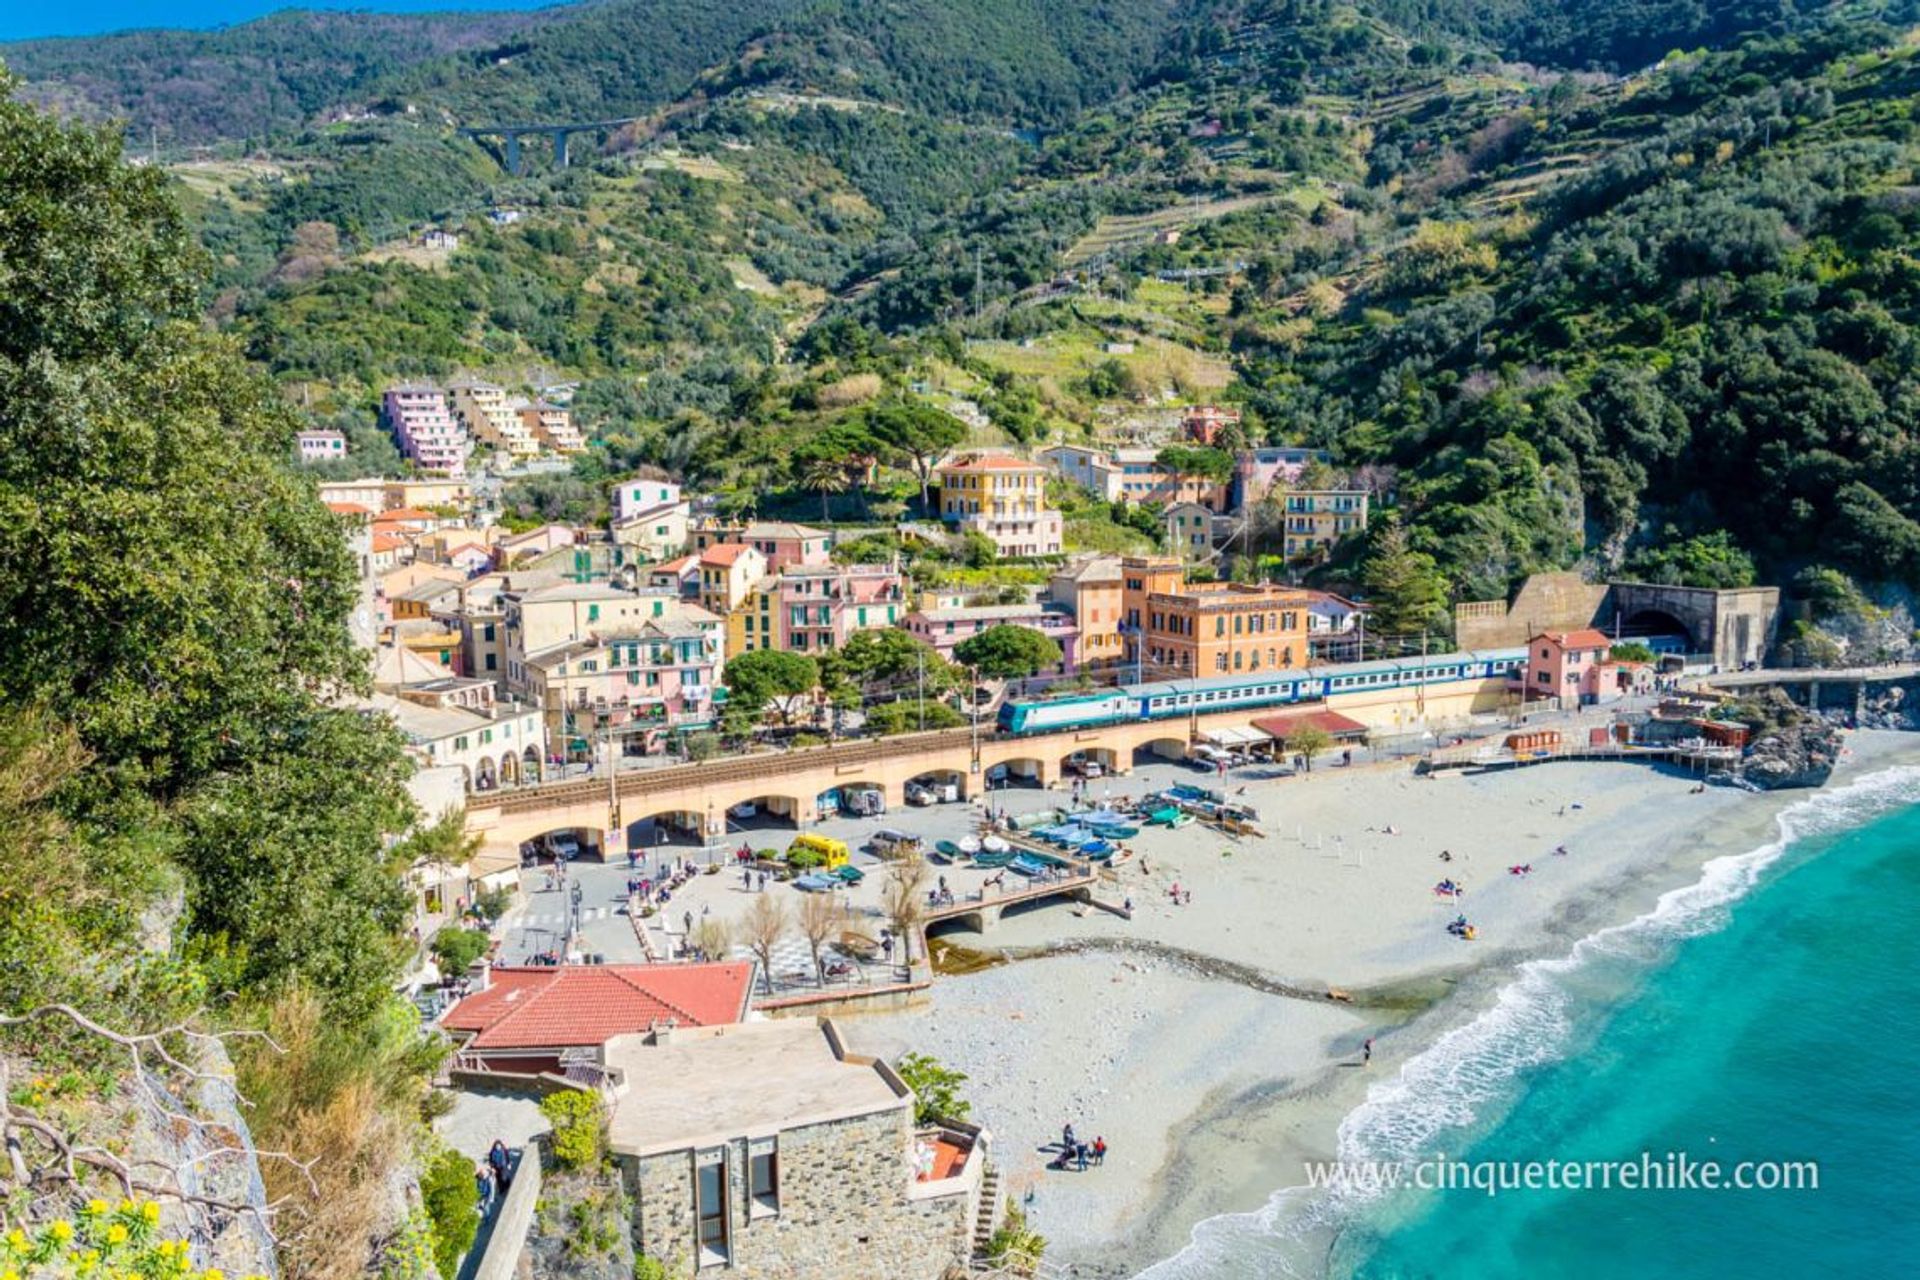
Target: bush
column 1015, row 1247
column 804, row 859
column 492, row 903
column 936, row 1089
column 577, row 1128
column 645, row 1268
column 451, row 1198
column 455, row 948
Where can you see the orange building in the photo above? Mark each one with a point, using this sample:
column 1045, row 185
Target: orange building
column 1210, row 629
column 1091, row 587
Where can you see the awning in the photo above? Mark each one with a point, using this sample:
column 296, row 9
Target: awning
column 1336, row 726
column 1233, row 737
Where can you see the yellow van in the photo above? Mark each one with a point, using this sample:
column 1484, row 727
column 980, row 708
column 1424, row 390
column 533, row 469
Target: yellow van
column 833, row 852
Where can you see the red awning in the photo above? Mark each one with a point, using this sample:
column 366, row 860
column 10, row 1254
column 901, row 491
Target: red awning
column 1336, row 726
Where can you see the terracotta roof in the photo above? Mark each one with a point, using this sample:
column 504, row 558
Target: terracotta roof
column 990, row 462
column 676, row 566
column 388, row 542
column 349, row 509
column 724, row 554
column 407, row 513
column 1585, row 638
column 558, row 1007
column 1335, row 724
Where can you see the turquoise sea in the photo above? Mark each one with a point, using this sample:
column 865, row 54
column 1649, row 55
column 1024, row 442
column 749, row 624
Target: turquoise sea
column 1768, row 1012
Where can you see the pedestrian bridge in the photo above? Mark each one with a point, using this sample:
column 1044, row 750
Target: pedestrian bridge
column 693, row 799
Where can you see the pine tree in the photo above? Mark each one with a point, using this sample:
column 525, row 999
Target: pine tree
column 1406, row 595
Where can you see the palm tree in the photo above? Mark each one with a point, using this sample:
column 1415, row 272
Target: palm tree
column 826, row 477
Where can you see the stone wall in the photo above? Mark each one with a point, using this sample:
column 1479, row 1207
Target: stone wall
column 845, row 1212
column 508, row 1238
column 1545, row 602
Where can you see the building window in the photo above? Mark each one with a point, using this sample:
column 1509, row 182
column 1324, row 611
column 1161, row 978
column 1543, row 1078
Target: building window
column 710, row 1207
column 763, row 1177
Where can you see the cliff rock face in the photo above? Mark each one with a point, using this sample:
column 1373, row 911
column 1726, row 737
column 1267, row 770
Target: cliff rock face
column 1891, row 707
column 1801, row 754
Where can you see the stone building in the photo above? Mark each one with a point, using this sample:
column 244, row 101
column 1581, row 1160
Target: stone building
column 770, row 1151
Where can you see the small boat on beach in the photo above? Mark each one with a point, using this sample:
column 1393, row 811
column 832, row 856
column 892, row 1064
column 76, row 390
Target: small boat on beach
column 969, row 845
column 1119, row 833
column 945, row 851
column 992, row 860
column 1166, row 817
column 994, row 844
column 1026, row 864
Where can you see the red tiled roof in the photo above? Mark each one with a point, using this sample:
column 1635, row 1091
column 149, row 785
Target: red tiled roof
column 407, row 513
column 724, row 554
column 1335, row 724
column 558, row 1007
column 388, row 542
column 349, row 509
column 681, row 565
column 990, row 462
column 1585, row 638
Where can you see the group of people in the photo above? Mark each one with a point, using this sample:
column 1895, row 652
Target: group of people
column 1181, row 897
column 753, row 881
column 1077, row 1155
column 1459, row 928
column 493, row 1175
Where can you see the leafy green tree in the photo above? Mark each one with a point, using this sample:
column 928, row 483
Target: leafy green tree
column 451, row 1198
column 936, row 1088
column 885, row 657
column 1008, row 652
column 579, row 1127
column 918, row 432
column 1308, row 741
column 1707, row 560
column 1406, row 595
column 770, row 679
column 826, row 477
column 911, row 716
column 456, row 948
column 1198, row 461
column 1630, row 651
column 174, row 590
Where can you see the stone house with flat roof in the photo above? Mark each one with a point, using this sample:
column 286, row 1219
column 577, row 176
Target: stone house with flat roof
column 771, row 1151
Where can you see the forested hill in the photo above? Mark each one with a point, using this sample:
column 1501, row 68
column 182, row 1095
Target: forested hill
column 1617, row 285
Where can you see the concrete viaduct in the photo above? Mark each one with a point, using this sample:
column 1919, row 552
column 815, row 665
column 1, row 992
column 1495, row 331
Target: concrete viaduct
column 692, row 800
column 512, row 133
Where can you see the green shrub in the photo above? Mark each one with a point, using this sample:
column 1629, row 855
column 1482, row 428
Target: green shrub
column 645, row 1268
column 804, row 859
column 456, row 948
column 451, row 1198
column 936, row 1089
column 578, row 1128
column 1015, row 1247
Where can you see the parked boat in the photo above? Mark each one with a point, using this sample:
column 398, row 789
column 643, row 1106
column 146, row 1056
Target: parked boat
column 990, row 860
column 995, row 844
column 946, row 849
column 1027, row 865
column 1119, row 833
column 1165, row 817
column 969, row 845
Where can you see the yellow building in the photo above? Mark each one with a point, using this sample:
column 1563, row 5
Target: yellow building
column 1316, row 519
column 1002, row 498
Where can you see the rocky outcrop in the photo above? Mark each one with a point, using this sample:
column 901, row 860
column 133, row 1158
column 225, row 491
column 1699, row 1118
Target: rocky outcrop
column 1890, row 707
column 1800, row 754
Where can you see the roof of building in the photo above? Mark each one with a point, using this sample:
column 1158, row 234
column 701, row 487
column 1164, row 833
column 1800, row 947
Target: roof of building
column 1006, row 612
column 1583, row 638
column 655, row 512
column 1091, row 569
column 724, row 555
column 388, row 542
column 576, row 591
column 1335, row 725
column 988, row 462
column 677, row 566
column 397, row 665
column 406, row 513
column 349, row 509
column 694, row 1087
column 561, row 1006
column 775, row 529
column 420, row 723
column 429, row 591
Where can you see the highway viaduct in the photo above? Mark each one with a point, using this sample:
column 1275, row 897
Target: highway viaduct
column 693, row 799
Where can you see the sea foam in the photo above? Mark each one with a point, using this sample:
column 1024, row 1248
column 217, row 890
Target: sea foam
column 1472, row 1069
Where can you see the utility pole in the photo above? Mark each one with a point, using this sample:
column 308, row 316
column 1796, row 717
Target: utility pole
column 973, row 709
column 921, row 660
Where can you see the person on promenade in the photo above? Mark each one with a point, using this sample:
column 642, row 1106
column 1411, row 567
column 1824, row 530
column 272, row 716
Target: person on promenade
column 483, row 1185
column 1366, row 1052
column 1099, row 1150
column 501, row 1164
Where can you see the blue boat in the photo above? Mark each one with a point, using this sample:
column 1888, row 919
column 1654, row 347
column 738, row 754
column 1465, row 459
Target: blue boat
column 1027, row 865
column 815, row 883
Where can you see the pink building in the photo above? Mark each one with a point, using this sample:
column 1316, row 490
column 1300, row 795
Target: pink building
column 425, row 430
column 947, row 629
column 661, row 672
column 1576, row 667
column 782, row 542
column 819, row 608
column 1256, row 471
column 320, row 446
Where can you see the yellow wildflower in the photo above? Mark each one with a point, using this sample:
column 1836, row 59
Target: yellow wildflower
column 96, row 1207
column 117, row 1234
column 150, row 1211
column 61, row 1230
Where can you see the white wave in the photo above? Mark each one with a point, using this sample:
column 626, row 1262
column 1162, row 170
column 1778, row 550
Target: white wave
column 1449, row 1084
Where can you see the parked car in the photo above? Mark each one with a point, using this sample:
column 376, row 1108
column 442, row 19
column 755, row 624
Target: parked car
column 745, row 809
column 564, row 845
column 919, row 796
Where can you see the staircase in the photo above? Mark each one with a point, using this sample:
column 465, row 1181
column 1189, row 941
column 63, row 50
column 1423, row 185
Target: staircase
column 988, row 1215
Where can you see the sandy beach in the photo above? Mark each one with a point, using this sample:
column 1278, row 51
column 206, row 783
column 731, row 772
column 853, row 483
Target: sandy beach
column 1163, row 1034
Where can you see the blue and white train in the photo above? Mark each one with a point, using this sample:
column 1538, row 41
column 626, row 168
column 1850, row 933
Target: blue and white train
column 1164, row 699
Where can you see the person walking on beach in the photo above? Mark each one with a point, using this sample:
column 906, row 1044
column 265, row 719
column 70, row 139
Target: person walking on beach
column 1066, row 1137
column 1080, row 1156
column 1366, row 1052
column 1099, row 1150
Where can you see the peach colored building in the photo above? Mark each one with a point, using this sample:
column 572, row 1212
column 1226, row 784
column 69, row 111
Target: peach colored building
column 1091, row 588
column 1209, row 629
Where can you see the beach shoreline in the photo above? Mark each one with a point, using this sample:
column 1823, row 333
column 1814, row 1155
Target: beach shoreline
column 1213, row 1091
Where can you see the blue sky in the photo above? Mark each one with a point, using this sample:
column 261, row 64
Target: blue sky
column 21, row 19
